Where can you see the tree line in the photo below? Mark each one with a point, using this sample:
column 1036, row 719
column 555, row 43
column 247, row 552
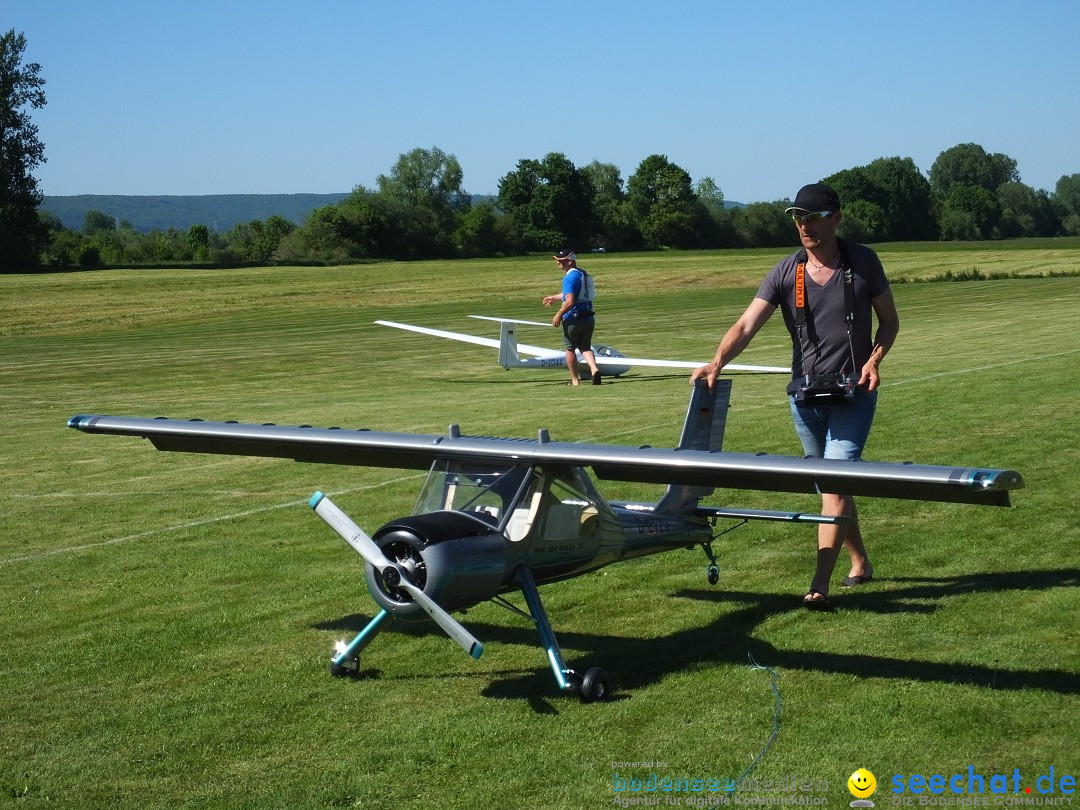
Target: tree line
column 419, row 209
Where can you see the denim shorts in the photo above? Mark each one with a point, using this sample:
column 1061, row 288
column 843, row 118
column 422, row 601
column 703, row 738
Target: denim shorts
column 839, row 431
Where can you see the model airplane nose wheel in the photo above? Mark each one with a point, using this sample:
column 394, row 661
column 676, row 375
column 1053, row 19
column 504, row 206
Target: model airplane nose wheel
column 595, row 686
column 713, row 569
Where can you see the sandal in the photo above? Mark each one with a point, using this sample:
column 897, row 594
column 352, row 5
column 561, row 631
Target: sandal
column 859, row 579
column 851, row 582
column 816, row 600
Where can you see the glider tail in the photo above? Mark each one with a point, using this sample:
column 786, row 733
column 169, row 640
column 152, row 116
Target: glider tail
column 706, row 418
column 508, row 350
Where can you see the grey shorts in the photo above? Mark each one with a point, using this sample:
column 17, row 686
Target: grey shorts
column 578, row 335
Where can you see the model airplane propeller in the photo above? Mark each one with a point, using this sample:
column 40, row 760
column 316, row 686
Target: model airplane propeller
column 612, row 363
column 497, row 516
column 394, row 575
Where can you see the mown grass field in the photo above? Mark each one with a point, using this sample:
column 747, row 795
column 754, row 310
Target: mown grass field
column 166, row 619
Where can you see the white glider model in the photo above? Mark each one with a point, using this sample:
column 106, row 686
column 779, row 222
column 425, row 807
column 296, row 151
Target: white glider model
column 611, row 362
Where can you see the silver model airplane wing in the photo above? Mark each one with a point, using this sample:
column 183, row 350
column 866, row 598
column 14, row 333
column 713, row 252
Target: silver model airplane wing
column 643, row 464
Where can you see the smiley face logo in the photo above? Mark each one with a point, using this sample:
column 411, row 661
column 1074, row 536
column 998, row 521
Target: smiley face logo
column 862, row 784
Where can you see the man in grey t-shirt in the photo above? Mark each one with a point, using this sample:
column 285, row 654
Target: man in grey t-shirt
column 821, row 344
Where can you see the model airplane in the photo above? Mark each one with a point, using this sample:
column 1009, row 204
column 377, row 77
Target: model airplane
column 496, row 516
column 612, row 363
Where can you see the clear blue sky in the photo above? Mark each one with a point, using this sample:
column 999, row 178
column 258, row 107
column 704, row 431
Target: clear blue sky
column 268, row 97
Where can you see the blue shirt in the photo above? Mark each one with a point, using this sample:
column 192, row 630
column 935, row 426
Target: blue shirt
column 574, row 283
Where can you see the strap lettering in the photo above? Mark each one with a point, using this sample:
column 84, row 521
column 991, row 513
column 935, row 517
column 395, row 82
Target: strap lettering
column 800, row 289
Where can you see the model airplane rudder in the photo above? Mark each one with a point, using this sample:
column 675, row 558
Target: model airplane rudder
column 508, row 351
column 703, row 429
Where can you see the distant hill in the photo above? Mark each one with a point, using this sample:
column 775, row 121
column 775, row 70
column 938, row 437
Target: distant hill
column 219, row 212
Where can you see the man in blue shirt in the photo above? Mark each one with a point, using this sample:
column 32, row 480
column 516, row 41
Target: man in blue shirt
column 575, row 315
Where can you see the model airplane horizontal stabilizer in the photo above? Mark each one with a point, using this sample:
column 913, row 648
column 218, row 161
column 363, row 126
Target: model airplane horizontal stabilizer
column 612, row 462
column 511, row 320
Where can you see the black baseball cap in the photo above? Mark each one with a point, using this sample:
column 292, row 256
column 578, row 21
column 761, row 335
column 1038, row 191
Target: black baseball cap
column 564, row 254
column 815, row 197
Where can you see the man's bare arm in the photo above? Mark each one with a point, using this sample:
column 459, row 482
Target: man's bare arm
column 736, row 339
column 888, row 328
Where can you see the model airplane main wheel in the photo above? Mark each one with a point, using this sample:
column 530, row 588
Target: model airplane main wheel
column 714, row 574
column 595, row 686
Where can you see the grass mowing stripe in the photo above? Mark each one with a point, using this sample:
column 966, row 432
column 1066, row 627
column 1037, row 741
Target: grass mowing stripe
column 1019, row 361
column 183, row 526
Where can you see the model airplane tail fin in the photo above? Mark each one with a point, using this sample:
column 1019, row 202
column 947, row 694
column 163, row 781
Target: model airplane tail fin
column 508, row 349
column 706, row 418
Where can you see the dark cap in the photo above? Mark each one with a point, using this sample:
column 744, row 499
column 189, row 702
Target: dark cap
column 815, row 197
column 564, row 255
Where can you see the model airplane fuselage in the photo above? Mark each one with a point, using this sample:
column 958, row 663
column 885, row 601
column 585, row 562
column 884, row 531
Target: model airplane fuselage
column 612, row 363
column 497, row 516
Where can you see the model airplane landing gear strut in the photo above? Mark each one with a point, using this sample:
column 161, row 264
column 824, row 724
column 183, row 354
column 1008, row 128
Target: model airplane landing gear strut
column 346, row 659
column 595, row 684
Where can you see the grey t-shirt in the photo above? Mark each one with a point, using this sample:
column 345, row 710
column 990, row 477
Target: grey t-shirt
column 825, row 337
